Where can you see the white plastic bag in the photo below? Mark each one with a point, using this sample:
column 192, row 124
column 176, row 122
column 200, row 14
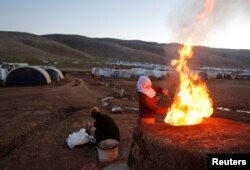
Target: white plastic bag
column 77, row 138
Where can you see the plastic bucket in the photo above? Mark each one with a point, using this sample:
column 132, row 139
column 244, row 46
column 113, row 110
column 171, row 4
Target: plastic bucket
column 108, row 150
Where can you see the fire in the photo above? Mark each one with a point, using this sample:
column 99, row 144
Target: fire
column 192, row 102
column 202, row 18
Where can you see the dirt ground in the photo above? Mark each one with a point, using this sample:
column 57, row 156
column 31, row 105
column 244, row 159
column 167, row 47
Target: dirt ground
column 35, row 121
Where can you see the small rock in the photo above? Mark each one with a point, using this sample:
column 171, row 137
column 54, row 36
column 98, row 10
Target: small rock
column 116, row 109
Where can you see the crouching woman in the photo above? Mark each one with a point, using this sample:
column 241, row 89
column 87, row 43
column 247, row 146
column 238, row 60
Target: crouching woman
column 104, row 127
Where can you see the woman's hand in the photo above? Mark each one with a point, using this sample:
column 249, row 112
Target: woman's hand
column 92, row 131
column 165, row 92
column 88, row 127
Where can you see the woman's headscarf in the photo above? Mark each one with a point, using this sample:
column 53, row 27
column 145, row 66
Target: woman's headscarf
column 144, row 85
column 95, row 112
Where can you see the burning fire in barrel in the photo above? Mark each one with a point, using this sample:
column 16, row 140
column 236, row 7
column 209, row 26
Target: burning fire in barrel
column 163, row 146
column 192, row 102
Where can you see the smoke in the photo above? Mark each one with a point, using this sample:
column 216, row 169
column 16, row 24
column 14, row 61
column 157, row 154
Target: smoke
column 192, row 19
column 225, row 11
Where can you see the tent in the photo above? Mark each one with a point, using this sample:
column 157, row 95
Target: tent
column 54, row 73
column 3, row 72
column 203, row 76
column 27, row 75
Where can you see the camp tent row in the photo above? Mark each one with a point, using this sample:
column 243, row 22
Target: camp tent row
column 136, row 72
column 127, row 73
column 32, row 75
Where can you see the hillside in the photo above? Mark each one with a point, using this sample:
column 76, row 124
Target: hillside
column 152, row 52
column 68, row 49
column 25, row 47
column 111, row 50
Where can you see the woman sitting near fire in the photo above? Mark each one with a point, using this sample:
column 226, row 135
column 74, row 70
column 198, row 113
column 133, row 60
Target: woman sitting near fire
column 147, row 100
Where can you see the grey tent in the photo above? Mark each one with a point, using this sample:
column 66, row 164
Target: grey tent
column 54, row 73
column 203, row 75
column 28, row 75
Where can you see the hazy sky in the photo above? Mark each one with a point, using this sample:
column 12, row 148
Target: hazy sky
column 164, row 21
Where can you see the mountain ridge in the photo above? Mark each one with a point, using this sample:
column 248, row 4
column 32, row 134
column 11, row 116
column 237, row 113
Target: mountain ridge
column 69, row 48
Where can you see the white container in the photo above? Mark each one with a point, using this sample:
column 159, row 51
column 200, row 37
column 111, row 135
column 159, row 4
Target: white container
column 108, row 150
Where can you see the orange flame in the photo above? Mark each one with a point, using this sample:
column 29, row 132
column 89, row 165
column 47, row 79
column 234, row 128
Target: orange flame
column 207, row 10
column 192, row 102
